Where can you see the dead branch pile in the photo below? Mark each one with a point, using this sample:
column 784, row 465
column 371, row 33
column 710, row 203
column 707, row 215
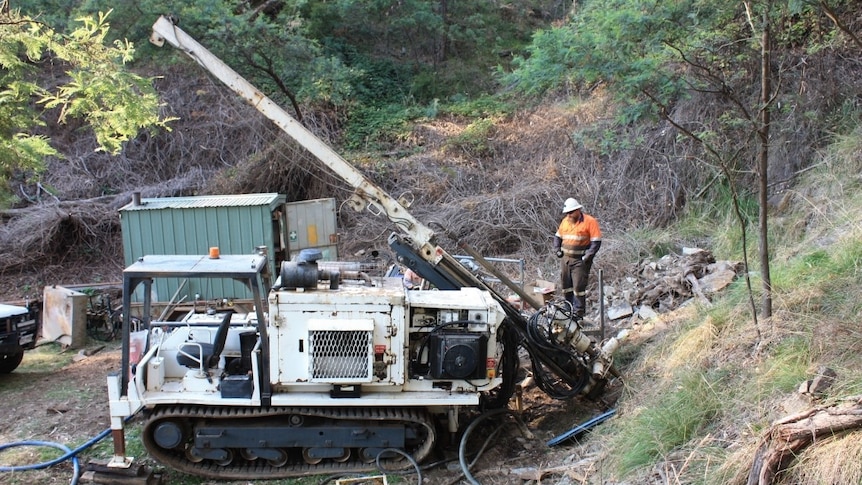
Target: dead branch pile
column 674, row 278
column 55, row 240
column 503, row 200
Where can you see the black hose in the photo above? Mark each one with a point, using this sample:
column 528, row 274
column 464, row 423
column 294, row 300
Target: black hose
column 405, row 455
column 559, row 372
column 462, row 447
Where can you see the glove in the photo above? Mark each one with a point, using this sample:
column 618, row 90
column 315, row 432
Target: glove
column 559, row 253
column 587, row 257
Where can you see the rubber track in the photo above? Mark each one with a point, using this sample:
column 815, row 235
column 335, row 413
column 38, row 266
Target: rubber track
column 260, row 469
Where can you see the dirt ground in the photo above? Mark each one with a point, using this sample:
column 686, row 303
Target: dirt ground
column 68, row 405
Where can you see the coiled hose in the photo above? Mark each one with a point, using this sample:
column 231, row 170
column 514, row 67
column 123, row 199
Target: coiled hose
column 559, row 371
column 69, row 454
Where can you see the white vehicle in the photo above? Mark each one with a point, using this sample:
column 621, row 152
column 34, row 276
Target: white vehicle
column 327, row 370
column 19, row 328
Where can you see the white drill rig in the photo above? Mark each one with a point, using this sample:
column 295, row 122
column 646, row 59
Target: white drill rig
column 326, row 370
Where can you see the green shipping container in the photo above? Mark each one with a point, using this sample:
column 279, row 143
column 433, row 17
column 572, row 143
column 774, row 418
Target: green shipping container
column 235, row 224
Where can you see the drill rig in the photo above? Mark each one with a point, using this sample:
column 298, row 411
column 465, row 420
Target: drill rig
column 327, row 369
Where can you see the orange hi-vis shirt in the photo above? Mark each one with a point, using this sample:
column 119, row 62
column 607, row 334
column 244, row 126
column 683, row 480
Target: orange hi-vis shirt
column 577, row 236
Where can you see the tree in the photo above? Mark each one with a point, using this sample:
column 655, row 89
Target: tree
column 652, row 55
column 94, row 86
column 762, row 128
column 266, row 42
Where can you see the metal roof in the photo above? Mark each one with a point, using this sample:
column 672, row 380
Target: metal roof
column 201, row 201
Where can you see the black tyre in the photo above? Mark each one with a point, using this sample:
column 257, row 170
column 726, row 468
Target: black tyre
column 10, row 362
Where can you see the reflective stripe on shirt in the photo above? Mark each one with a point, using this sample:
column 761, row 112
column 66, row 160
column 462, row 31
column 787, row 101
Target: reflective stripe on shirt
column 578, row 235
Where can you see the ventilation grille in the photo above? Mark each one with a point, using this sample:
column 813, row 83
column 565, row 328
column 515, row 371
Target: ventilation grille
column 340, row 356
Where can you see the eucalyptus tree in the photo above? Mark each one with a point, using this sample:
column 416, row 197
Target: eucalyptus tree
column 44, row 73
column 265, row 41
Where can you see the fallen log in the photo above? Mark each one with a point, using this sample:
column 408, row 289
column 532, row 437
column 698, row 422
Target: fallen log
column 787, row 437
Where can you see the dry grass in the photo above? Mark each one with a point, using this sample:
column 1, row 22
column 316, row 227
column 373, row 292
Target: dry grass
column 815, row 324
column 693, row 347
column 831, row 461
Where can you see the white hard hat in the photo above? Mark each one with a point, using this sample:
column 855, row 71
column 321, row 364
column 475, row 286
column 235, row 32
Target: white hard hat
column 571, row 205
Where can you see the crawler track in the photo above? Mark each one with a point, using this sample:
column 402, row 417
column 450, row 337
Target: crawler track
column 417, row 422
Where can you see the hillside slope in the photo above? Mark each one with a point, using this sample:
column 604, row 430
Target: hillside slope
column 706, row 384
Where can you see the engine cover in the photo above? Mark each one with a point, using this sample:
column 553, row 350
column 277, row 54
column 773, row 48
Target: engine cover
column 458, row 355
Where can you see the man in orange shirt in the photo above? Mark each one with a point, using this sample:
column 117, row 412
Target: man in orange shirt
column 577, row 241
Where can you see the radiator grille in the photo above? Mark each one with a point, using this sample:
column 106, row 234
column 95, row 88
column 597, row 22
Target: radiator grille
column 340, row 356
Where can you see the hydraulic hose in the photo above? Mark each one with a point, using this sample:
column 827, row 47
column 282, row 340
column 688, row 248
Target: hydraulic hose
column 462, row 447
column 559, row 372
column 409, row 458
column 38, row 466
column 69, row 454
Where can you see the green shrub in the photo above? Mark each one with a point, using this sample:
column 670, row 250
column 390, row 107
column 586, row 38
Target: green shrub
column 475, row 139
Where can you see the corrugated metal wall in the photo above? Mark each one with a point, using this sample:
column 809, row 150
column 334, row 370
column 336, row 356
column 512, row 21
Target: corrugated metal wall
column 236, row 224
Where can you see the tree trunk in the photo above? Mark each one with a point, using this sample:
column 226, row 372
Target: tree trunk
column 789, row 436
column 763, row 164
column 444, row 40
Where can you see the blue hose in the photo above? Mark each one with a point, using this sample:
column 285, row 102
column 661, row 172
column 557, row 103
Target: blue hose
column 581, row 428
column 69, row 454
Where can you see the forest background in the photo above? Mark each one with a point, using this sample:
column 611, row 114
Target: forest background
column 727, row 125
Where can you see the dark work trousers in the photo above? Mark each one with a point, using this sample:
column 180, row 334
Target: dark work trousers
column 574, row 273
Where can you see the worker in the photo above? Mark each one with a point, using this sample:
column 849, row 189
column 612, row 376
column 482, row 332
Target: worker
column 576, row 242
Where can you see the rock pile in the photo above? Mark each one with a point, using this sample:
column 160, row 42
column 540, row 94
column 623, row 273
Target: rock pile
column 666, row 284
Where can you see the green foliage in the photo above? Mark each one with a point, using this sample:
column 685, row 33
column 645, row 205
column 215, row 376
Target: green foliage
column 273, row 51
column 382, row 82
column 438, row 53
column 474, row 139
column 632, row 45
column 549, row 64
column 374, row 127
column 486, row 106
column 57, row 13
column 344, row 53
column 678, row 415
column 19, row 149
column 331, row 82
column 115, row 103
